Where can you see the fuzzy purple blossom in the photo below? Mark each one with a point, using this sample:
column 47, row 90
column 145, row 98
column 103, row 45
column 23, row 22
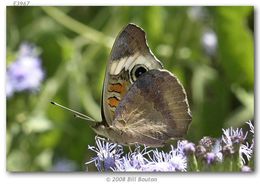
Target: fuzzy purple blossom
column 185, row 147
column 210, row 157
column 232, row 137
column 25, row 73
column 215, row 155
column 153, row 161
column 162, row 161
column 132, row 162
column 126, row 165
column 178, row 160
column 110, row 157
column 107, row 154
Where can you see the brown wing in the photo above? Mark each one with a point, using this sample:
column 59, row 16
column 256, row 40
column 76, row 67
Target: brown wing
column 130, row 48
column 128, row 42
column 153, row 111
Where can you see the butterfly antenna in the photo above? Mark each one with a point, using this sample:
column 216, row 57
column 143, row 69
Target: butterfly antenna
column 87, row 118
column 76, row 114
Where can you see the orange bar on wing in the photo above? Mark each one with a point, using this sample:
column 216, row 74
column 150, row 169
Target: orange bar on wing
column 116, row 88
column 113, row 101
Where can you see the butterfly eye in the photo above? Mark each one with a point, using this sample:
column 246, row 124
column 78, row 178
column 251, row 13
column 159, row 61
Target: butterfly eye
column 137, row 71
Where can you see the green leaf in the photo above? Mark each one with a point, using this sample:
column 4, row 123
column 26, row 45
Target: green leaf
column 243, row 113
column 236, row 45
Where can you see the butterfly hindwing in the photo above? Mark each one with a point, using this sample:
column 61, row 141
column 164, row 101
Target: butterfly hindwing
column 154, row 110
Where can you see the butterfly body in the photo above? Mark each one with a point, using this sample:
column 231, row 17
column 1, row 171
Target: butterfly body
column 141, row 102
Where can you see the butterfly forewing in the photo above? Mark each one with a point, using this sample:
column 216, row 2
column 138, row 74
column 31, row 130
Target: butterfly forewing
column 130, row 49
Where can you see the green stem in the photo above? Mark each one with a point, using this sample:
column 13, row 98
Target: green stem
column 84, row 30
column 238, row 164
column 194, row 163
column 231, row 164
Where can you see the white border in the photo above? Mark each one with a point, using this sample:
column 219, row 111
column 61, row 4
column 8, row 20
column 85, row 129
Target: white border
column 134, row 2
column 89, row 179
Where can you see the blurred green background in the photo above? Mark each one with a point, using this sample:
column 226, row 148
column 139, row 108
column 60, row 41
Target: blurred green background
column 210, row 49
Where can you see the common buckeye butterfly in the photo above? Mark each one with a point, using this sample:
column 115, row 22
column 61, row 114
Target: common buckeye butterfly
column 141, row 102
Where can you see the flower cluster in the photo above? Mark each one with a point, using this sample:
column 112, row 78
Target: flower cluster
column 232, row 151
column 25, row 73
column 110, row 157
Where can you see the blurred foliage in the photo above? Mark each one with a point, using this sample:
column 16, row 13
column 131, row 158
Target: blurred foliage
column 75, row 43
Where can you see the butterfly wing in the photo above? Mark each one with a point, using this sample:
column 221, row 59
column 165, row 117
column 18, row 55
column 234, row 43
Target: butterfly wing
column 130, row 49
column 154, row 110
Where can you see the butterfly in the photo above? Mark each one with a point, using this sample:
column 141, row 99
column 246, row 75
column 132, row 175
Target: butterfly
column 142, row 103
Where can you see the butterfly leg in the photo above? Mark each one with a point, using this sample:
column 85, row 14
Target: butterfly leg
column 97, row 137
column 129, row 147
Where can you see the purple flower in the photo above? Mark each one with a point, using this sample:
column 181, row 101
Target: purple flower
column 186, row 147
column 209, row 42
column 234, row 141
column 9, row 88
column 207, row 142
column 107, row 154
column 210, row 157
column 231, row 136
column 160, row 161
column 110, row 157
column 172, row 161
column 135, row 161
column 125, row 165
column 246, row 169
column 247, row 151
column 215, row 155
column 178, row 160
column 25, row 73
column 132, row 162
